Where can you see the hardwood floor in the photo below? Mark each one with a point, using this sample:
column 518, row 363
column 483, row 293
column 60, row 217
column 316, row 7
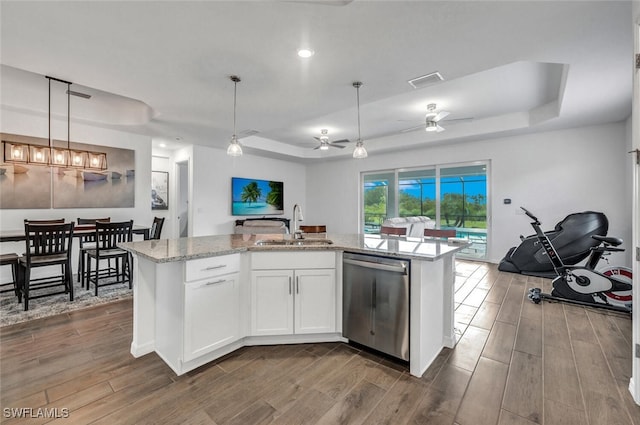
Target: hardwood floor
column 516, row 363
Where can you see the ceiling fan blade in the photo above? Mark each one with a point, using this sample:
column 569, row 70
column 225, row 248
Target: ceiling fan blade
column 335, row 146
column 316, row 148
column 318, row 139
column 406, row 130
column 439, row 129
column 342, row 141
column 458, row 120
column 440, row 115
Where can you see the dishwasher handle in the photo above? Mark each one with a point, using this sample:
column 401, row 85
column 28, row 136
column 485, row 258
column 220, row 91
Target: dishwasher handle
column 378, row 266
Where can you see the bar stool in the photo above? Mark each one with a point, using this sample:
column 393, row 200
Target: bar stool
column 46, row 245
column 108, row 235
column 86, row 242
column 10, row 260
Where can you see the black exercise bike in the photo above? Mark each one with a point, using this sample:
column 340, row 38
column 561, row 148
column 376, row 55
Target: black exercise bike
column 609, row 288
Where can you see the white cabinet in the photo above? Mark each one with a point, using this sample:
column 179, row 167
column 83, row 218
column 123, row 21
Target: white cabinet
column 298, row 300
column 197, row 310
column 211, row 304
column 211, row 314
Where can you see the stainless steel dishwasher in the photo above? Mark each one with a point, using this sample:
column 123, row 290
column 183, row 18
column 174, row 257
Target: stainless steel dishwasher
column 375, row 309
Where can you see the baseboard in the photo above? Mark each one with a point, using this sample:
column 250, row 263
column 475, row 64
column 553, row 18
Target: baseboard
column 141, row 350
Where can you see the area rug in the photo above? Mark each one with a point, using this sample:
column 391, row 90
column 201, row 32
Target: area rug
column 11, row 312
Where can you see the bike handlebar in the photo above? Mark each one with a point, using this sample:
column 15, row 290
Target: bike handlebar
column 529, row 214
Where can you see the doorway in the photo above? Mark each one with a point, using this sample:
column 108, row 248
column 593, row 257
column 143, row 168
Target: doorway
column 182, row 191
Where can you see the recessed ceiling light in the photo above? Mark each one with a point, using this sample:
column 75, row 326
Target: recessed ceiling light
column 305, row 53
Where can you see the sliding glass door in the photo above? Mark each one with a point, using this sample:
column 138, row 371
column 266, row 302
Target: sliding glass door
column 454, row 196
column 463, row 205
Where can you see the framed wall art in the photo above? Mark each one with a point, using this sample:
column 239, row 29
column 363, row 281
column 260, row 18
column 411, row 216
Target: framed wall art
column 159, row 190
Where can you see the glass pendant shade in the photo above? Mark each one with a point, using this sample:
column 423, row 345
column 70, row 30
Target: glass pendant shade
column 78, row 159
column 96, row 161
column 15, row 152
column 59, row 157
column 360, row 152
column 39, row 155
column 234, row 148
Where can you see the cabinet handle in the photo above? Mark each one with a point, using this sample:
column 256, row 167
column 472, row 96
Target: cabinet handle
column 297, row 285
column 289, row 285
column 214, row 282
column 214, row 267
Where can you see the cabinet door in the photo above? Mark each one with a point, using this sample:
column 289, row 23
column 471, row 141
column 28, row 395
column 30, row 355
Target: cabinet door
column 315, row 301
column 272, row 302
column 211, row 315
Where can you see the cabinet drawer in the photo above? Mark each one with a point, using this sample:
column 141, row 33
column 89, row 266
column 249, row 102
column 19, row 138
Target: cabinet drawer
column 293, row 260
column 212, row 266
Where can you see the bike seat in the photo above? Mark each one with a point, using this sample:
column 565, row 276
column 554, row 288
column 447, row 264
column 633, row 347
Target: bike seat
column 608, row 240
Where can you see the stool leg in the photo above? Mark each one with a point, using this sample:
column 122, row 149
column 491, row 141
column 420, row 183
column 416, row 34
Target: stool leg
column 14, row 275
column 20, row 282
column 27, row 277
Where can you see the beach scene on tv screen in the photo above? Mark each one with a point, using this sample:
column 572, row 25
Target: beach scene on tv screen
column 256, row 197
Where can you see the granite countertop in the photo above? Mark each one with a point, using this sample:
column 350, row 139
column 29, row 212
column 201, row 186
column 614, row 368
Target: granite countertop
column 171, row 250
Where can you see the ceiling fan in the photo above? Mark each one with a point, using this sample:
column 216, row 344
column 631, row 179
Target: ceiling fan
column 325, row 144
column 432, row 120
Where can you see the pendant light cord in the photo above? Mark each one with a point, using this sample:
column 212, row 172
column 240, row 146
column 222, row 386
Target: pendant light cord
column 235, row 88
column 358, row 100
column 69, row 117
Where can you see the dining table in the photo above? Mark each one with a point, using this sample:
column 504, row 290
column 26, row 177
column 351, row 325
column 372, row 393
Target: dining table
column 17, row 235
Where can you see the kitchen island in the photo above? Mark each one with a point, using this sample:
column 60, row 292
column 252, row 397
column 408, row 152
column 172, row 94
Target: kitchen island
column 197, row 299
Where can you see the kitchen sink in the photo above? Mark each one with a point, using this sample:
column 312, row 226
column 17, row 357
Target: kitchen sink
column 293, row 242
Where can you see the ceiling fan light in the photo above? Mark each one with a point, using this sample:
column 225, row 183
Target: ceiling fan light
column 324, row 147
column 431, row 126
column 234, row 148
column 360, row 152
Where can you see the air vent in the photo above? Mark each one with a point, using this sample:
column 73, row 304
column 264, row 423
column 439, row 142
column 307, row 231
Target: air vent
column 426, row 80
column 247, row 133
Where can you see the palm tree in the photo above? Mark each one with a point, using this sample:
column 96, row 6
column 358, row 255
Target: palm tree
column 275, row 195
column 251, row 192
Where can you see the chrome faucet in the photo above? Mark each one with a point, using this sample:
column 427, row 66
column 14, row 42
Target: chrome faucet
column 297, row 234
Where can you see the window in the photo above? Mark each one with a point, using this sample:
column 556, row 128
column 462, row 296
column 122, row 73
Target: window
column 455, row 196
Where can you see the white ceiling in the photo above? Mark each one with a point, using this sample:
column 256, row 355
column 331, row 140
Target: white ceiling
column 512, row 66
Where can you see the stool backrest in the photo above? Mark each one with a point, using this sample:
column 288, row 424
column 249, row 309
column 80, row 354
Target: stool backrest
column 92, row 220
column 396, row 231
column 47, row 239
column 313, row 229
column 108, row 235
column 54, row 221
column 440, row 233
column 156, row 228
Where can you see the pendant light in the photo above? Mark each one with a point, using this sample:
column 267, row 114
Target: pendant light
column 359, row 152
column 26, row 153
column 234, row 148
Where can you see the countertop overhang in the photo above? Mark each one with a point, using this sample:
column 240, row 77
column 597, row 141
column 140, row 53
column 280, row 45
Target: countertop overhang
column 183, row 249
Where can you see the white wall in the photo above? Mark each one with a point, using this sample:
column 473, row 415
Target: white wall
column 211, row 171
column 552, row 174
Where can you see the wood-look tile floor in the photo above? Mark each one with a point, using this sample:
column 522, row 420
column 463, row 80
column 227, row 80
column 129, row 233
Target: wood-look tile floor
column 516, row 363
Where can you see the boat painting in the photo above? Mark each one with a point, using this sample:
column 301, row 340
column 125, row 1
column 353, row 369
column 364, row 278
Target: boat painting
column 91, row 176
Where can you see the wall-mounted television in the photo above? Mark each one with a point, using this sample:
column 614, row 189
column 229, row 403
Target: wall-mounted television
column 256, row 197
